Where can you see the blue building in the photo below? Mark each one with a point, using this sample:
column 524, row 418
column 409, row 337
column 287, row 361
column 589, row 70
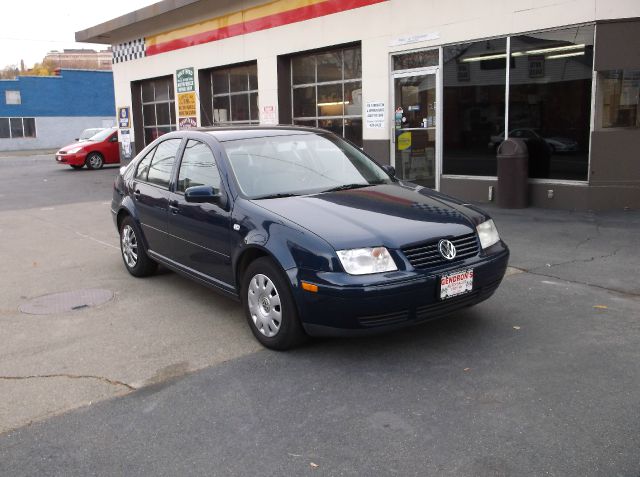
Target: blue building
column 47, row 112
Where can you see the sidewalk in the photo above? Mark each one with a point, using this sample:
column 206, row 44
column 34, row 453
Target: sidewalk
column 33, row 152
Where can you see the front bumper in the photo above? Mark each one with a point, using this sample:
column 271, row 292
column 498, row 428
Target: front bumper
column 71, row 159
column 405, row 299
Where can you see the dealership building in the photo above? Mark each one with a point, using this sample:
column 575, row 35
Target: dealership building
column 429, row 87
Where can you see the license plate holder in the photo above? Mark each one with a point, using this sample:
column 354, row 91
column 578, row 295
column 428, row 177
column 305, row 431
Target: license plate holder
column 456, row 283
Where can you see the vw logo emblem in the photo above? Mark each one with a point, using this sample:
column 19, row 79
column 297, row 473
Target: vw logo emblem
column 447, row 249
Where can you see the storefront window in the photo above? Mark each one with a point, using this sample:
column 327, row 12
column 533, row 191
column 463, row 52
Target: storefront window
column 620, row 98
column 416, row 59
column 234, row 94
column 474, row 78
column 327, row 91
column 158, row 107
column 550, row 100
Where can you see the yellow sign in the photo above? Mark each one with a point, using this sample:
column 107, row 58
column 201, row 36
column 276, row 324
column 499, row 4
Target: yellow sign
column 187, row 104
column 404, row 141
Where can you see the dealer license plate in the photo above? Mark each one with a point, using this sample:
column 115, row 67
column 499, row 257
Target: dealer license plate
column 456, row 283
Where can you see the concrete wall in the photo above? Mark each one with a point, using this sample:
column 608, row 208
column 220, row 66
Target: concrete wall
column 55, row 132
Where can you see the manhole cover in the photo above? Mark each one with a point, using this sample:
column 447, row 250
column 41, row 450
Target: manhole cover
column 66, row 301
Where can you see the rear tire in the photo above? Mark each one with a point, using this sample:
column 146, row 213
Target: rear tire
column 94, row 160
column 269, row 306
column 134, row 253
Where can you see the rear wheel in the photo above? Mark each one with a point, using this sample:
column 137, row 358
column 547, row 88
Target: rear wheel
column 134, row 253
column 269, row 306
column 94, row 160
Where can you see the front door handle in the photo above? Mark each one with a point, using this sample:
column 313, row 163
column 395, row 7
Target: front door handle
column 173, row 206
column 136, row 193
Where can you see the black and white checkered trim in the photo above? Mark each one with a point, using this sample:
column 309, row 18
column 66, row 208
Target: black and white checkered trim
column 129, row 50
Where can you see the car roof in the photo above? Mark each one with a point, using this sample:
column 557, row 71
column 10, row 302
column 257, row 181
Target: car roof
column 234, row 133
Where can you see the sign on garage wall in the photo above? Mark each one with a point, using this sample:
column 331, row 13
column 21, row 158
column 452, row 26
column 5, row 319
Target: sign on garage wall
column 188, row 123
column 186, row 104
column 185, row 80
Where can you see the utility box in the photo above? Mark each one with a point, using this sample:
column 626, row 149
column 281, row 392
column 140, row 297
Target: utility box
column 513, row 174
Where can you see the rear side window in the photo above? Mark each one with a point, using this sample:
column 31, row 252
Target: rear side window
column 162, row 162
column 143, row 166
column 198, row 167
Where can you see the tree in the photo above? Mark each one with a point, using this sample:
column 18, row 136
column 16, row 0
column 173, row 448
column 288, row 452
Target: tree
column 9, row 72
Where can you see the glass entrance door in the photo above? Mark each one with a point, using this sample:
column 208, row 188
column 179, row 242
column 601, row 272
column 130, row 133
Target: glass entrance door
column 415, row 123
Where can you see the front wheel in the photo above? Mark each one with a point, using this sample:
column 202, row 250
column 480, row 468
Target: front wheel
column 270, row 307
column 94, row 161
column 134, row 253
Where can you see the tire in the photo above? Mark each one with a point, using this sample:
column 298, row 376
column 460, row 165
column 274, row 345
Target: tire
column 269, row 306
column 76, row 167
column 134, row 253
column 94, row 160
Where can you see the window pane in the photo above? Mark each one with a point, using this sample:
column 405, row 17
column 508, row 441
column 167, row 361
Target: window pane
column 162, row 163
column 239, row 79
column 150, row 134
column 304, row 102
column 255, row 112
column 162, row 113
column 29, row 127
column 162, row 89
column 352, row 63
column 4, row 128
column 353, row 131
column 333, row 125
column 253, row 76
column 198, row 167
column 550, row 100
column 416, row 59
column 330, row 101
column 147, row 92
column 240, row 107
column 171, row 91
column 620, row 98
column 310, row 123
column 149, row 115
column 330, row 66
column 220, row 79
column 303, row 69
column 474, row 105
column 353, row 98
column 221, row 109
column 16, row 127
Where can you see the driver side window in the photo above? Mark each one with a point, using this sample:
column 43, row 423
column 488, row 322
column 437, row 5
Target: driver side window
column 198, row 167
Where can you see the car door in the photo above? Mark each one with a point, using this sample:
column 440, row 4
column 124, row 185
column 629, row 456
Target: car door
column 200, row 231
column 151, row 194
column 112, row 149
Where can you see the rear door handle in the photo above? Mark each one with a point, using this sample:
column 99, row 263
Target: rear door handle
column 136, row 193
column 173, row 206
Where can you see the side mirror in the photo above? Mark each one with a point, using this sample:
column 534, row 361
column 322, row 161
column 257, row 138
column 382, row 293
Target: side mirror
column 201, row 194
column 114, row 139
column 390, row 170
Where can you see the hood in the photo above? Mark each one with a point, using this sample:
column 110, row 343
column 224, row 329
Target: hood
column 75, row 145
column 391, row 215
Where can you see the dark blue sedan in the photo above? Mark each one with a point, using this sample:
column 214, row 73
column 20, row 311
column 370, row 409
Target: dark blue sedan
column 310, row 234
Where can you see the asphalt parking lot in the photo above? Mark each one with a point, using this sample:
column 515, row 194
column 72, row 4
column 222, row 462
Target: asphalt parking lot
column 165, row 378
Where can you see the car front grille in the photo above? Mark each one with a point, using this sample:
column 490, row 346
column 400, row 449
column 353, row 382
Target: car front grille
column 427, row 255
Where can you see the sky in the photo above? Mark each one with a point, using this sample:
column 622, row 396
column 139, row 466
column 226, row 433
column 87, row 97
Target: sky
column 29, row 29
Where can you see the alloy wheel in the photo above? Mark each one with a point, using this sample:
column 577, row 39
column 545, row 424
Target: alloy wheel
column 129, row 244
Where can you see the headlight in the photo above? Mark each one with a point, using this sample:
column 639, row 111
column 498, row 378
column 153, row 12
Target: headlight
column 488, row 233
column 74, row 150
column 361, row 261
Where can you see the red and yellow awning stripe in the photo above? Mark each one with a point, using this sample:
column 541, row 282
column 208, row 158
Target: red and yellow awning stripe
column 262, row 17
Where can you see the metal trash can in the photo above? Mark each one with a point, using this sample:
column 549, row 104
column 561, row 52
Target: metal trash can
column 513, row 174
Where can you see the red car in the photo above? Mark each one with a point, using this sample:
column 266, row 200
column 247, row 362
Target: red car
column 95, row 152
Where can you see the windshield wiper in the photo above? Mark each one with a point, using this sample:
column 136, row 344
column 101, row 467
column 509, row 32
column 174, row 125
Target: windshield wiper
column 275, row 196
column 347, row 187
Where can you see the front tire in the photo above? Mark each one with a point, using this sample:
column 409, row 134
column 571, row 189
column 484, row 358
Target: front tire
column 94, row 161
column 134, row 253
column 269, row 306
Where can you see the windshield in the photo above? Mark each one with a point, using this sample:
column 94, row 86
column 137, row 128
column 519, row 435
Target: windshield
column 299, row 164
column 87, row 133
column 102, row 135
